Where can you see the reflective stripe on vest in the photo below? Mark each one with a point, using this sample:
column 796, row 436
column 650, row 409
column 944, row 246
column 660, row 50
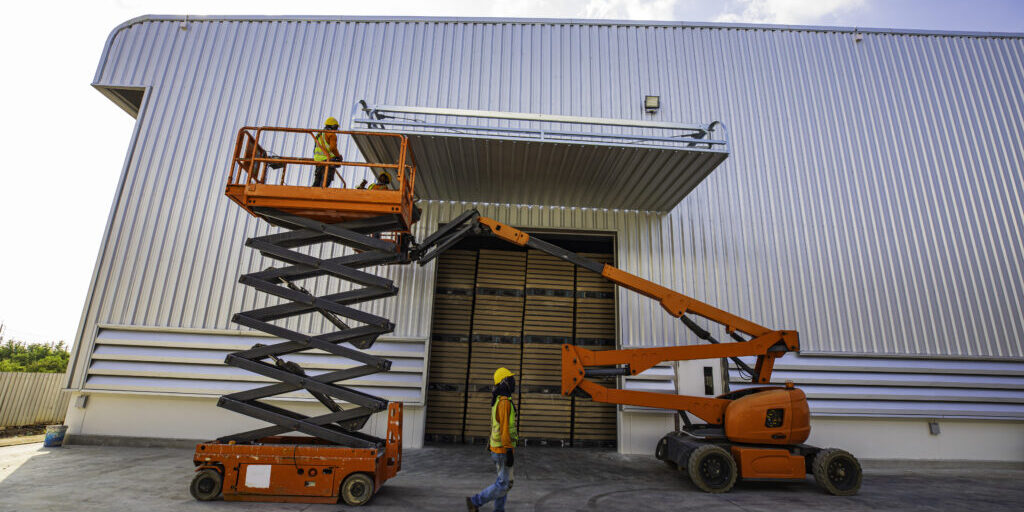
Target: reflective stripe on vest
column 322, row 150
column 513, row 432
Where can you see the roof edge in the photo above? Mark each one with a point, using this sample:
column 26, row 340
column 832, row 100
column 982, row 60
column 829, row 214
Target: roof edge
column 568, row 21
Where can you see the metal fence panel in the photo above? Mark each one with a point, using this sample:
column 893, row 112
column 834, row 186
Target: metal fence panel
column 32, row 398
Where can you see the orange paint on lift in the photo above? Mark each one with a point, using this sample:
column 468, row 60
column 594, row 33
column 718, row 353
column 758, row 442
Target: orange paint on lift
column 300, row 469
column 251, row 183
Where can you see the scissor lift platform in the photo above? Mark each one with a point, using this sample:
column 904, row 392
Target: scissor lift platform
column 259, row 179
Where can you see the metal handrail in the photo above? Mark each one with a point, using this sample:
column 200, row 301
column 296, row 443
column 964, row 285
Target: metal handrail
column 542, row 127
column 254, row 161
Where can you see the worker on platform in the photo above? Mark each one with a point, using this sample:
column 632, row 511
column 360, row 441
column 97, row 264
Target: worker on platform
column 326, row 150
column 382, row 183
column 504, row 437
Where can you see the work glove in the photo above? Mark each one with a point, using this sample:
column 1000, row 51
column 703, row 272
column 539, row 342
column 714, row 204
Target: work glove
column 510, row 457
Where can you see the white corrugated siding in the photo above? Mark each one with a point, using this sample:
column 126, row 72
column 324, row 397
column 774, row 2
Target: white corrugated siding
column 872, row 201
column 32, row 399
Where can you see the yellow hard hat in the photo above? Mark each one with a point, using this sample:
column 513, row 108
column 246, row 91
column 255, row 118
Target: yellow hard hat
column 331, row 122
column 500, row 374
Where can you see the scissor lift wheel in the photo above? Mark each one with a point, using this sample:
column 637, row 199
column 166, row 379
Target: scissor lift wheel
column 357, row 489
column 206, row 484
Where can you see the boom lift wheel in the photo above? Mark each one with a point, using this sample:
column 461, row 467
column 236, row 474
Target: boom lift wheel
column 837, row 472
column 357, row 489
column 712, row 469
column 206, row 485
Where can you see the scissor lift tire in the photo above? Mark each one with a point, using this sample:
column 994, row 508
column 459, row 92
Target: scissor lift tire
column 206, row 485
column 357, row 489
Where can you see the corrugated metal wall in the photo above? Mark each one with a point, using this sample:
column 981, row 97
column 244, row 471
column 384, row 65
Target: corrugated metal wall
column 192, row 364
column 873, row 200
column 32, row 399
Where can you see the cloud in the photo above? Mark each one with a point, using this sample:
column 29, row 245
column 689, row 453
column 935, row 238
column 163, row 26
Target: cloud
column 629, row 9
column 791, row 12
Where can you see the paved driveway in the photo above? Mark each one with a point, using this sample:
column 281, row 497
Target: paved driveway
column 93, row 478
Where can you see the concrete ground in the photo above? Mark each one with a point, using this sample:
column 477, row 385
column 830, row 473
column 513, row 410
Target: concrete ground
column 11, row 441
column 105, row 478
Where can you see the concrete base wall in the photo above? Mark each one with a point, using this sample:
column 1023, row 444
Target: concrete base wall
column 639, row 432
column 150, row 416
column 868, row 438
column 161, row 417
column 877, row 438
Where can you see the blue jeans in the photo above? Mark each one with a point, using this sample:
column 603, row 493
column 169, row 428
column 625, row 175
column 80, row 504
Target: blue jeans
column 500, row 487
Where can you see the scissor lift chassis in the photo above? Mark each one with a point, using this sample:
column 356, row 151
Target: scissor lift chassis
column 303, row 469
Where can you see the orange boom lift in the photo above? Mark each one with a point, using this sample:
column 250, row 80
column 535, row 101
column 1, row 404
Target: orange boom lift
column 756, row 432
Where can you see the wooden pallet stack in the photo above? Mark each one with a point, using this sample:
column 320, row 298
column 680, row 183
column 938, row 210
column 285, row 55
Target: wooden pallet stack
column 545, row 419
column 594, row 422
column 449, row 346
column 548, row 323
column 497, row 331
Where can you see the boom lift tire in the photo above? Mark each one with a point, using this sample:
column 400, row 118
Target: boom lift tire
column 712, row 469
column 837, row 472
column 357, row 489
column 206, row 485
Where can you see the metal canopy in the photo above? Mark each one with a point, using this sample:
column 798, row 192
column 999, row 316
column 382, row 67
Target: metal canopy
column 503, row 157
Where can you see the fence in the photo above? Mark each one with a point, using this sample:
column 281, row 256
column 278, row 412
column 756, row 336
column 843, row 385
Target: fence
column 32, row 398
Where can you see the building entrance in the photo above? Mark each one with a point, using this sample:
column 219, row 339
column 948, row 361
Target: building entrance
column 497, row 306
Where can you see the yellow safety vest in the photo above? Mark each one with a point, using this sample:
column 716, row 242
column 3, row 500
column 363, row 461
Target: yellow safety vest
column 321, row 150
column 513, row 432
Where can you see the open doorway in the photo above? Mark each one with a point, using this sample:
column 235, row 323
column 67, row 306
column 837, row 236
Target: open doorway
column 499, row 305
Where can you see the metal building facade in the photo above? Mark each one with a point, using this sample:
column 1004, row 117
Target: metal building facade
column 873, row 199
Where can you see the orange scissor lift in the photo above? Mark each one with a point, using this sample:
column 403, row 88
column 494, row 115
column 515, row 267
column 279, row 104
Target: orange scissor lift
column 335, row 459
column 753, row 433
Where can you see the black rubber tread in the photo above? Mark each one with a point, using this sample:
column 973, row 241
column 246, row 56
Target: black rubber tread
column 357, row 489
column 206, row 485
column 830, row 460
column 716, row 456
column 660, row 453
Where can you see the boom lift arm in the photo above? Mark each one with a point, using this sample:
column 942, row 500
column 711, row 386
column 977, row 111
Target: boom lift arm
column 579, row 365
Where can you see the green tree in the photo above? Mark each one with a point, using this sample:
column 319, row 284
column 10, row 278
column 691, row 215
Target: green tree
column 18, row 356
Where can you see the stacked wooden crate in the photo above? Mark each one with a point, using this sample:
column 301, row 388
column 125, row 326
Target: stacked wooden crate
column 548, row 323
column 594, row 422
column 449, row 346
column 496, row 332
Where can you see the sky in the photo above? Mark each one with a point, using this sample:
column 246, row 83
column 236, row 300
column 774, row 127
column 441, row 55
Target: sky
column 64, row 143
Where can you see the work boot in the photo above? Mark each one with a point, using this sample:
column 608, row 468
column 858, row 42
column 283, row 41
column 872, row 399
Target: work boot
column 470, row 506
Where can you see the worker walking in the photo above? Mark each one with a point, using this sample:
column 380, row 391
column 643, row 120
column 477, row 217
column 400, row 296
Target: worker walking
column 326, row 150
column 504, row 436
